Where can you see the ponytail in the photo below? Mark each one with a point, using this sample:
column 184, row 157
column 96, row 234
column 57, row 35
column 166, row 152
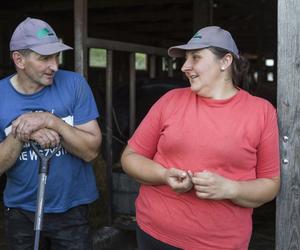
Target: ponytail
column 239, row 67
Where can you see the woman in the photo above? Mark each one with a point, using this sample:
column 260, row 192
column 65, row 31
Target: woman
column 205, row 155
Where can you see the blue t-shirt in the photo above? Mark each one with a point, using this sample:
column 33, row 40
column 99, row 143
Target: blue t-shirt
column 70, row 181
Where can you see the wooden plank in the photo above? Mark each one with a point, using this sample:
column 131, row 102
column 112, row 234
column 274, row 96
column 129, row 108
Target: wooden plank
column 80, row 36
column 123, row 46
column 170, row 67
column 288, row 96
column 152, row 15
column 202, row 14
column 152, row 66
column 108, row 130
column 132, row 93
column 67, row 5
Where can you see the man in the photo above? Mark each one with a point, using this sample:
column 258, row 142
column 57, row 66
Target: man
column 49, row 106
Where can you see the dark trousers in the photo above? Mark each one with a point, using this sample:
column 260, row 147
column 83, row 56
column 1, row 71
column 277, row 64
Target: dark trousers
column 147, row 242
column 60, row 231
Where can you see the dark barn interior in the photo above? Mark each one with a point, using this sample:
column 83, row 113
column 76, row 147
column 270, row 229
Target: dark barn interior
column 159, row 24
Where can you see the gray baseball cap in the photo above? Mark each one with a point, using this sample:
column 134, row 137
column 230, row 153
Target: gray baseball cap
column 36, row 35
column 211, row 36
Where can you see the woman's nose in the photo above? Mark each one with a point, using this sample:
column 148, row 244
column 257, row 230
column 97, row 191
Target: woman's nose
column 186, row 66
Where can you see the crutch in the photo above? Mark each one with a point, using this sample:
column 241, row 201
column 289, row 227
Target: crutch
column 43, row 173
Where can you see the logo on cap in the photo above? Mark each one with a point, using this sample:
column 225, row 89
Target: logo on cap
column 43, row 33
column 197, row 35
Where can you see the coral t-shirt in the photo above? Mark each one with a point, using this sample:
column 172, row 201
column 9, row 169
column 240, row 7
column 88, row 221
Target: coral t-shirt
column 236, row 138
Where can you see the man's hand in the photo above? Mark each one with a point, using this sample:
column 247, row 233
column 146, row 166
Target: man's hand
column 178, row 180
column 212, row 186
column 46, row 138
column 27, row 123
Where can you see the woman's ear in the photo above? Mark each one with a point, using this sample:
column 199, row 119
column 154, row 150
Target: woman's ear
column 18, row 59
column 226, row 61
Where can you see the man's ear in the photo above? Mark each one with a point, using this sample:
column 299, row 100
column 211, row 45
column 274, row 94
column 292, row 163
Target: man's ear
column 226, row 61
column 18, row 59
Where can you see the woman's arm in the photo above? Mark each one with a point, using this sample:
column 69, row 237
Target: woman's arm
column 149, row 172
column 252, row 193
column 144, row 170
column 255, row 193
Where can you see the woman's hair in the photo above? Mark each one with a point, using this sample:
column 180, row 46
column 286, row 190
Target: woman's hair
column 239, row 69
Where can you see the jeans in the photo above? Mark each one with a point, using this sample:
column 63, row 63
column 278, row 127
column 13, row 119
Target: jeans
column 68, row 230
column 147, row 242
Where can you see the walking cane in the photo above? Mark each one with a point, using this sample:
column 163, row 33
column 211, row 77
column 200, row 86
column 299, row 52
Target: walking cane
column 43, row 173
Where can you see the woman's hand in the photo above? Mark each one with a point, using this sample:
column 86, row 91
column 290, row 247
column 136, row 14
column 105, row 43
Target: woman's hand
column 209, row 185
column 178, row 180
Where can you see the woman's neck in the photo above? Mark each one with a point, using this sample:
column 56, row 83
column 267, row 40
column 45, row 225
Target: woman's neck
column 219, row 91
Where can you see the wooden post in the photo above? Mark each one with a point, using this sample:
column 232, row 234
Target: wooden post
column 152, row 66
column 288, row 102
column 132, row 95
column 202, row 14
column 80, row 36
column 170, row 67
column 260, row 19
column 109, row 132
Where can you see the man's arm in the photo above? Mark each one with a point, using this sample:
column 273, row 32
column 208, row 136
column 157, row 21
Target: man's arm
column 10, row 150
column 82, row 140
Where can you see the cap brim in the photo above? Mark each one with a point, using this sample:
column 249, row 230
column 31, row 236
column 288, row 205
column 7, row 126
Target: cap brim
column 179, row 51
column 50, row 48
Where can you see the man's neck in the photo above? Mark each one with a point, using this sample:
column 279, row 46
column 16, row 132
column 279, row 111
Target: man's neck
column 23, row 86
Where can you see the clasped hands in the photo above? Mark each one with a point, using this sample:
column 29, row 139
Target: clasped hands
column 207, row 185
column 35, row 126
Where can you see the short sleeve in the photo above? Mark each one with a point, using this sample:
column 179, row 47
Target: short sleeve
column 145, row 139
column 2, row 136
column 268, row 156
column 85, row 108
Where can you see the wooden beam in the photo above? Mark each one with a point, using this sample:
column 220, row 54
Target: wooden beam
column 123, row 46
column 152, row 66
column 132, row 93
column 288, row 96
column 131, row 3
column 202, row 14
column 109, row 131
column 80, row 36
column 145, row 15
column 157, row 27
column 55, row 6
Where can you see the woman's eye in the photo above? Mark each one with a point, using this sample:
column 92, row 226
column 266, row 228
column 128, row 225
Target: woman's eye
column 43, row 58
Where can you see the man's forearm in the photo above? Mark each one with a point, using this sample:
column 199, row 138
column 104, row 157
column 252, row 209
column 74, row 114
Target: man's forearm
column 10, row 150
column 83, row 140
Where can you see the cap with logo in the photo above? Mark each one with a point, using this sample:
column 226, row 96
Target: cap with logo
column 38, row 36
column 211, row 36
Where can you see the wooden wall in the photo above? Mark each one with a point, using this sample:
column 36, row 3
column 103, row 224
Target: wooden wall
column 288, row 103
